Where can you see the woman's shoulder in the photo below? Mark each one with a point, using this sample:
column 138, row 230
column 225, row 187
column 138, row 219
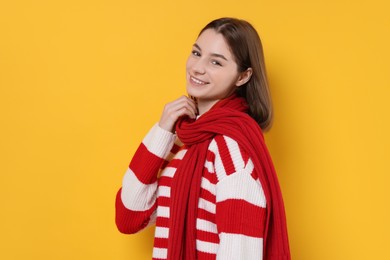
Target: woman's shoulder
column 229, row 159
column 227, row 149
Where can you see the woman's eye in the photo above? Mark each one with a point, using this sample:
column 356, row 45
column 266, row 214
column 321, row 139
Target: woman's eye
column 195, row 53
column 214, row 62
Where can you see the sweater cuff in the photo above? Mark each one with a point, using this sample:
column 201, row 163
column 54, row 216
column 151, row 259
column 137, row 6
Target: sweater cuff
column 159, row 141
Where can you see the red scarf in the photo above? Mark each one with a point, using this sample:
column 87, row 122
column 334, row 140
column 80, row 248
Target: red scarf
column 227, row 117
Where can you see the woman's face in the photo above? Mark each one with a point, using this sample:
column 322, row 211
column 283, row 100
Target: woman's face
column 211, row 70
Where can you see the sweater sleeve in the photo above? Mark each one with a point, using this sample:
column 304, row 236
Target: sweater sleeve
column 136, row 199
column 240, row 203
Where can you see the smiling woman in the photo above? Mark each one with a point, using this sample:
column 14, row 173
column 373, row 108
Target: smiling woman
column 203, row 174
column 212, row 73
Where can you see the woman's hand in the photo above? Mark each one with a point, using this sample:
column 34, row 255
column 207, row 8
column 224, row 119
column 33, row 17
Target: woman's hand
column 183, row 106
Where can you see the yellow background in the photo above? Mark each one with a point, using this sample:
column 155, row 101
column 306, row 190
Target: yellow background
column 81, row 82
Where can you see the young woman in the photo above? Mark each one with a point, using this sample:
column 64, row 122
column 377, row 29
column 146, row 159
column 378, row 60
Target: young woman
column 203, row 174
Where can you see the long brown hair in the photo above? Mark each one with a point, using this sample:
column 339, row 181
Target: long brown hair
column 245, row 44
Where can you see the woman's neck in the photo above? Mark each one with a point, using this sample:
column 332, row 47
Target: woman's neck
column 204, row 105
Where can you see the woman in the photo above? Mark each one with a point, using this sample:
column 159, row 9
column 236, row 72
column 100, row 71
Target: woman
column 203, row 174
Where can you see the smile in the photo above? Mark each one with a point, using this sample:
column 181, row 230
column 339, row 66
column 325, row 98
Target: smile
column 197, row 81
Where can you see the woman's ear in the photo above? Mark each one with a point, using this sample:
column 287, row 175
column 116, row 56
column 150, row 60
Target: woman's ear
column 244, row 77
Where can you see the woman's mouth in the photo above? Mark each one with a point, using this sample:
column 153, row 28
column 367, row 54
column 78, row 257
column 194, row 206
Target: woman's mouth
column 197, row 81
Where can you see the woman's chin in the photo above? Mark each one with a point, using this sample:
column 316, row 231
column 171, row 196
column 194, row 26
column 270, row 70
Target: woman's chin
column 192, row 92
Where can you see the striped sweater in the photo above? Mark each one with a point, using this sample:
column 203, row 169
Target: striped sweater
column 231, row 209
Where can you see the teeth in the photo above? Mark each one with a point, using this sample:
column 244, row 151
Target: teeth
column 197, row 81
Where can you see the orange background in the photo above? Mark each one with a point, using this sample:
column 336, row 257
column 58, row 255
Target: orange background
column 81, row 82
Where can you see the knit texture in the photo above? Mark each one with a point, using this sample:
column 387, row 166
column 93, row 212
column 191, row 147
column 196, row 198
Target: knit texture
column 226, row 217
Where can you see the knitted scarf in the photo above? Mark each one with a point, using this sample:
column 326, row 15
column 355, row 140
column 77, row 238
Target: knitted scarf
column 227, row 117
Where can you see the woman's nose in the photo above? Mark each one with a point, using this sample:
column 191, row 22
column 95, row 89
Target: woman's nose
column 199, row 67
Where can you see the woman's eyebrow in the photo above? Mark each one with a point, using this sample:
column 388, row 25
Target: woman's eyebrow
column 197, row 46
column 212, row 54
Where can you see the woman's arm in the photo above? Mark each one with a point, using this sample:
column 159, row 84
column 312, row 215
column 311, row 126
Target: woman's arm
column 240, row 203
column 135, row 201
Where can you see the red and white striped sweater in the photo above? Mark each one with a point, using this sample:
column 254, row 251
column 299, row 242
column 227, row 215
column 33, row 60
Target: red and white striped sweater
column 232, row 207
